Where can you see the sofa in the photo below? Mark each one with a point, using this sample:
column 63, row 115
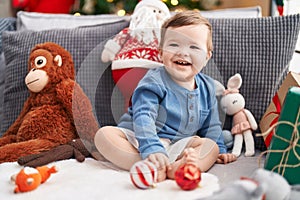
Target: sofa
column 259, row 48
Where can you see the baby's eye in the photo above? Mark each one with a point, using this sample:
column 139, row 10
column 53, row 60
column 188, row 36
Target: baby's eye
column 194, row 47
column 173, row 45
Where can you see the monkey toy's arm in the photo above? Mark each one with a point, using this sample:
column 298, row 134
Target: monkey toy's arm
column 10, row 135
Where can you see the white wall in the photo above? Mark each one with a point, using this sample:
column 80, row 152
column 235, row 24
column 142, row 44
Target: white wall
column 293, row 7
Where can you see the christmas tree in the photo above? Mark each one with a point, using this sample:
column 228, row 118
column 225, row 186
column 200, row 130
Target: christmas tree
column 127, row 6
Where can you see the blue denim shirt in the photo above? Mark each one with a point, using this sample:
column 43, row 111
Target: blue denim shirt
column 163, row 109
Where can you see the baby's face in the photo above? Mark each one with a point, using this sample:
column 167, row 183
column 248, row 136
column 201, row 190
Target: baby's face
column 184, row 52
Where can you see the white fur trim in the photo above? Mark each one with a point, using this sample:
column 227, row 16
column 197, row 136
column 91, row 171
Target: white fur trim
column 112, row 46
column 134, row 63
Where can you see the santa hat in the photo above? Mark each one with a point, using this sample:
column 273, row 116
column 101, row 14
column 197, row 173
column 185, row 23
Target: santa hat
column 154, row 3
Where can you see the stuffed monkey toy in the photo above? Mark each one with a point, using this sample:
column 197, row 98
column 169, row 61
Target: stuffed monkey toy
column 136, row 48
column 56, row 111
column 233, row 104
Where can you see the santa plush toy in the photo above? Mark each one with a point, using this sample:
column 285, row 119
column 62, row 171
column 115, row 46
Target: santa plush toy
column 135, row 49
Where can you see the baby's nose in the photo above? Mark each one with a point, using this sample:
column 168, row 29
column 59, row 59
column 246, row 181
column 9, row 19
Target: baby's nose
column 183, row 51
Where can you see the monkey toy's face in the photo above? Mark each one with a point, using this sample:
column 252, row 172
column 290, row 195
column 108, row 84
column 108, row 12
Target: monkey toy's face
column 41, row 63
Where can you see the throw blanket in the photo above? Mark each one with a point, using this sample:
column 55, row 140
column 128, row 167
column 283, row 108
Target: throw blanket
column 97, row 180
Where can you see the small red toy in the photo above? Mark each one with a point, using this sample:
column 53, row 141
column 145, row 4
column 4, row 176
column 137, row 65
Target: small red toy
column 30, row 178
column 188, row 176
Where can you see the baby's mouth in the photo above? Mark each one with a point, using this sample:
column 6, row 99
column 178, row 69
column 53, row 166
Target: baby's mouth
column 183, row 63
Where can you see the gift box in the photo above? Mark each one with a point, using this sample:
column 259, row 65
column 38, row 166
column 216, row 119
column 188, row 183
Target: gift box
column 283, row 155
column 273, row 110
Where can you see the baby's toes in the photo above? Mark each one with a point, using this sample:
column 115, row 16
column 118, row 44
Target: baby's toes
column 191, row 156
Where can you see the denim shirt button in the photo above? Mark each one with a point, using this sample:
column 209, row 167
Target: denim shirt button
column 192, row 119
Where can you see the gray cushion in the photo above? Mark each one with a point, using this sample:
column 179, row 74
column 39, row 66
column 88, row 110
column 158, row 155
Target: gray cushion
column 17, row 45
column 260, row 49
column 95, row 78
column 6, row 24
column 2, row 68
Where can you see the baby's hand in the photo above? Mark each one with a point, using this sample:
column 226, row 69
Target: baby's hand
column 162, row 163
column 226, row 158
column 160, row 160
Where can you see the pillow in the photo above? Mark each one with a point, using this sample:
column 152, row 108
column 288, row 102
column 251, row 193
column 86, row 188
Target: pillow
column 247, row 12
column 260, row 49
column 2, row 68
column 6, row 24
column 17, row 45
column 42, row 21
column 95, row 77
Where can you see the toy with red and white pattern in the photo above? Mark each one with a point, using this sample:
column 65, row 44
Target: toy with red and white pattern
column 136, row 48
column 143, row 174
column 188, row 176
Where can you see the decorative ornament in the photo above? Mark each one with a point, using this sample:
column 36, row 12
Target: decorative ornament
column 188, row 176
column 280, row 5
column 135, row 49
column 143, row 174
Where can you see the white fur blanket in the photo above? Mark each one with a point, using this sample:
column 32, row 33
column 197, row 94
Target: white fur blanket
column 97, row 180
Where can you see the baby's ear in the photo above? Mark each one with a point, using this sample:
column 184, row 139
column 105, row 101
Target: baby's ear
column 235, row 82
column 160, row 51
column 219, row 88
column 209, row 55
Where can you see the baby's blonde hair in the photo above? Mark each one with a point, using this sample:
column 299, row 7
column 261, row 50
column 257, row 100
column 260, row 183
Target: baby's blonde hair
column 187, row 18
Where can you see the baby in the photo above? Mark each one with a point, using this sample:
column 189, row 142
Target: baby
column 174, row 116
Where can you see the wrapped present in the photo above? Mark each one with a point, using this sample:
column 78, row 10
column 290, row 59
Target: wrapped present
column 283, row 155
column 273, row 111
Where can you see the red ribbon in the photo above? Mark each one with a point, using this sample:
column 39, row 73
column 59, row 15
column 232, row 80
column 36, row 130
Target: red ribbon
column 277, row 104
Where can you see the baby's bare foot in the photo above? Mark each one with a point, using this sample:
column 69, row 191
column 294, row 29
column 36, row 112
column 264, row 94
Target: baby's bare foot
column 189, row 156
